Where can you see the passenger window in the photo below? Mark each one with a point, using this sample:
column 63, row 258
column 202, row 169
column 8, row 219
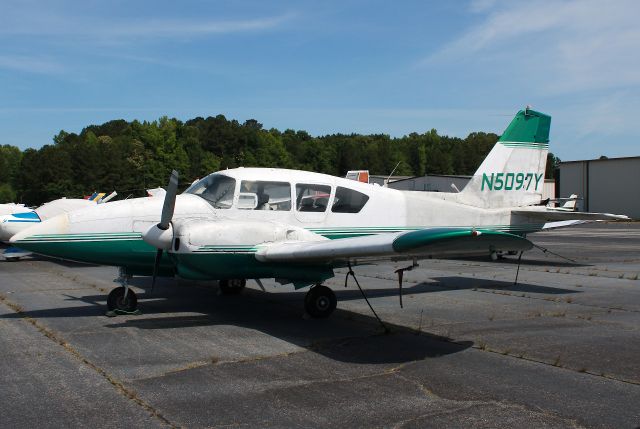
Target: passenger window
column 348, row 201
column 270, row 195
column 312, row 198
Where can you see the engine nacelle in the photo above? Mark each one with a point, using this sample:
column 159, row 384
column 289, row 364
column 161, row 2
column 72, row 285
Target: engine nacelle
column 195, row 234
column 159, row 238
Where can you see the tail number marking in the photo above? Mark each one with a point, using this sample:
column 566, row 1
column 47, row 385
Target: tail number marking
column 510, row 181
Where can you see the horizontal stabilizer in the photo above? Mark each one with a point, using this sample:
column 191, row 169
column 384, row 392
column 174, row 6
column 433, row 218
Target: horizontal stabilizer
column 551, row 215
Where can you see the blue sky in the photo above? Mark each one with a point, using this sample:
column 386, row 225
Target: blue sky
column 326, row 67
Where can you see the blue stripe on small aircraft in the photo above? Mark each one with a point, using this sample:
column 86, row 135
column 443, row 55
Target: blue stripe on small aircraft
column 26, row 215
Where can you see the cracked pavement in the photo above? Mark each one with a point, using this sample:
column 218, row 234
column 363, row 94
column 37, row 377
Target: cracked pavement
column 470, row 348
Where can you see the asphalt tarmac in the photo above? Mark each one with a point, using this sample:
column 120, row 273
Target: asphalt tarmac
column 469, row 349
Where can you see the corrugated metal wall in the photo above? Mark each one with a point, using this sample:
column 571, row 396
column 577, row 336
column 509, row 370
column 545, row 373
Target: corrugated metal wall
column 608, row 185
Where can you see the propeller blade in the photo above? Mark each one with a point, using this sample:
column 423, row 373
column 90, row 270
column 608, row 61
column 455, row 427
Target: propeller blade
column 155, row 268
column 169, row 201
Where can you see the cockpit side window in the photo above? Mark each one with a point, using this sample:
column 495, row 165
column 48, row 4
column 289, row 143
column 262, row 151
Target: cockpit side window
column 217, row 189
column 270, row 195
column 348, row 201
column 312, row 198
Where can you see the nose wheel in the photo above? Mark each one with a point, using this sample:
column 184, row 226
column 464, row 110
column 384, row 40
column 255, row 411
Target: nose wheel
column 121, row 300
column 320, row 302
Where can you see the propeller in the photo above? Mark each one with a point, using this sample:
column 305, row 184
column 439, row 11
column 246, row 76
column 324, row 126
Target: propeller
column 160, row 236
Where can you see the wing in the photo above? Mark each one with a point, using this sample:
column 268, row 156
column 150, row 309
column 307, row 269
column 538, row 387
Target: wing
column 430, row 242
column 551, row 215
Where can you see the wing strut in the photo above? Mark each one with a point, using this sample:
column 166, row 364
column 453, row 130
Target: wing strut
column 346, row 279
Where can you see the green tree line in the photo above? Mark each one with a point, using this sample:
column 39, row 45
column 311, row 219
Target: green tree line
column 131, row 156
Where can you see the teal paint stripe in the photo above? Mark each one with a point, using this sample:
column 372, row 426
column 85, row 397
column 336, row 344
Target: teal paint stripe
column 212, row 246
column 414, row 228
column 66, row 240
column 92, row 235
column 112, row 236
column 526, row 146
column 206, row 249
column 226, row 250
column 514, row 142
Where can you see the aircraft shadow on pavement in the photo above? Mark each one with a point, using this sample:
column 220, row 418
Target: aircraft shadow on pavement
column 345, row 336
column 461, row 283
column 548, row 261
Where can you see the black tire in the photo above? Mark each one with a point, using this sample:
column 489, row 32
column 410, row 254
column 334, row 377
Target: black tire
column 117, row 301
column 320, row 302
column 232, row 286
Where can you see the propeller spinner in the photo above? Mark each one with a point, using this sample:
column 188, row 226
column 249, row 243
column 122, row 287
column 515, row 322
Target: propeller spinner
column 160, row 236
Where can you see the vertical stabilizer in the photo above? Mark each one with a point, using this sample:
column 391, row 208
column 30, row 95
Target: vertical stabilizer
column 512, row 174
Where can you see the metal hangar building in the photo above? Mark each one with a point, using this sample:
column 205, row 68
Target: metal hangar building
column 608, row 185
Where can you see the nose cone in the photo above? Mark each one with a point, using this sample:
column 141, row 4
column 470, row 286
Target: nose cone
column 50, row 230
column 13, row 223
column 9, row 229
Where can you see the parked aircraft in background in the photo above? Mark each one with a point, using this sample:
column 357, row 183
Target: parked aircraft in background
column 11, row 224
column 297, row 226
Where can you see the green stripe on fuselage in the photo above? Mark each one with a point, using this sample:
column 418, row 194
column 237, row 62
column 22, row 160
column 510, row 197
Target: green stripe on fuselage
column 133, row 254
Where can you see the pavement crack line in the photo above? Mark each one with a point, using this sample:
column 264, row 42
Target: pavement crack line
column 566, row 368
column 467, row 404
column 313, row 347
column 214, row 362
column 556, row 300
column 117, row 384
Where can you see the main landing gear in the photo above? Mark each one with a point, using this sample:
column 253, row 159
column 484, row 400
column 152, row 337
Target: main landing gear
column 122, row 300
column 232, row 286
column 320, row 302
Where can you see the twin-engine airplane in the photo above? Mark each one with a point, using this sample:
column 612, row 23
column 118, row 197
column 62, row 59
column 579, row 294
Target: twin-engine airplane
column 297, row 226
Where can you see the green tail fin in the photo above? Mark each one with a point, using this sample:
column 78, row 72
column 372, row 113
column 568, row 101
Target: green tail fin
column 512, row 175
column 529, row 129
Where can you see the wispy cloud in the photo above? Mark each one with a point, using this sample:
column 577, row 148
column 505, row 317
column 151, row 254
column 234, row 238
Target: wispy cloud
column 568, row 46
column 89, row 27
column 31, row 64
column 81, row 109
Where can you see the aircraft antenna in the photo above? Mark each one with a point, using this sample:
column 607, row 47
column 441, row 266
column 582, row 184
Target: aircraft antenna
column 392, row 171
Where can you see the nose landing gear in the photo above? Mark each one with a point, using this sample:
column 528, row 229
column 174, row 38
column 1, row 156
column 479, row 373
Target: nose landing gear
column 122, row 300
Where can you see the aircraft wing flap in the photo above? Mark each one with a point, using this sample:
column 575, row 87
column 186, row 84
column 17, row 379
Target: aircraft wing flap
column 434, row 242
column 550, row 215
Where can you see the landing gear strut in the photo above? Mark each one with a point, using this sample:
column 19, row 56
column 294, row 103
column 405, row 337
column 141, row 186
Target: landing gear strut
column 122, row 300
column 232, row 286
column 320, row 302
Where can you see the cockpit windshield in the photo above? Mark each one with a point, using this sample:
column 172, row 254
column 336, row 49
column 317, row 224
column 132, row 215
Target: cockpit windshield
column 217, row 189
